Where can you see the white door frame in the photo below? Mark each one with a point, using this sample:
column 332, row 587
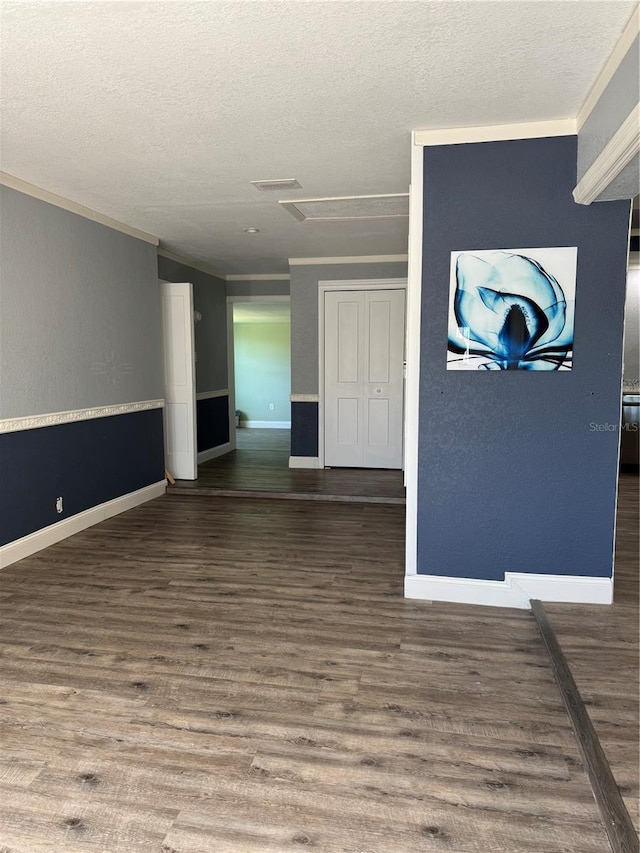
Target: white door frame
column 354, row 284
column 231, row 359
column 182, row 354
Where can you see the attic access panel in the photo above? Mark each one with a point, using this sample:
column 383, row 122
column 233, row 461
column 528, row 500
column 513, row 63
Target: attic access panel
column 389, row 206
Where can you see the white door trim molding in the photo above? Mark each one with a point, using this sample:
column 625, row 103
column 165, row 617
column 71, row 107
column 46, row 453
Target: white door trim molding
column 180, row 411
column 27, row 545
column 623, row 146
column 412, row 382
column 514, row 591
column 32, row 190
column 495, row 132
column 324, row 287
column 231, row 377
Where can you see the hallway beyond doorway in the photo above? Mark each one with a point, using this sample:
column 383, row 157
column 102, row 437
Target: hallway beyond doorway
column 260, row 464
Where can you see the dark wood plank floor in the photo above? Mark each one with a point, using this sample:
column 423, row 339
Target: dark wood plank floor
column 261, row 464
column 601, row 646
column 237, row 676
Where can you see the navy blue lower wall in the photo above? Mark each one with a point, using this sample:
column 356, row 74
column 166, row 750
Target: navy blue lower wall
column 513, row 475
column 85, row 462
column 212, row 420
column 304, row 429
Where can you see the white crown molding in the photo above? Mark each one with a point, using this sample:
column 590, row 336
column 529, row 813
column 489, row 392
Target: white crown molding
column 352, row 259
column 27, row 545
column 209, row 395
column 304, row 462
column 260, row 277
column 304, row 398
column 189, row 262
column 214, row 452
column 515, row 591
column 55, row 418
column 623, row 146
column 32, row 190
column 629, row 35
column 495, row 132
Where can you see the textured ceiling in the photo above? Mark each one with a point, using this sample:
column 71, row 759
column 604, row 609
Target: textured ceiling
column 160, row 113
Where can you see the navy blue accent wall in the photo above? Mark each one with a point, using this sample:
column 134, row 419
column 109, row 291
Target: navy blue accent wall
column 304, row 429
column 86, row 462
column 514, row 472
column 212, row 419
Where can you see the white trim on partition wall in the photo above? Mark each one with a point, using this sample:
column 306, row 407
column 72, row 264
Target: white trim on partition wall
column 231, row 376
column 412, row 383
column 32, row 190
column 27, row 545
column 209, row 395
column 266, row 424
column 515, row 590
column 55, row 418
column 304, row 462
column 495, row 132
column 352, row 259
column 260, row 277
column 612, row 64
column 304, row 398
column 214, row 452
column 623, row 146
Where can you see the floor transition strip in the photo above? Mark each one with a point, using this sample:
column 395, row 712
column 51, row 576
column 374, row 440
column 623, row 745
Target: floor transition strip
column 617, row 821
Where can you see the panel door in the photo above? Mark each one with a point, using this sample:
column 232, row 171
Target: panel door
column 179, row 381
column 363, row 388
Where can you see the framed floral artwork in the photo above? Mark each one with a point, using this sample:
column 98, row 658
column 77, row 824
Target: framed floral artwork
column 512, row 309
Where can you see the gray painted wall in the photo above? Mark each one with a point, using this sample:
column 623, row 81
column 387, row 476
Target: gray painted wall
column 209, row 298
column 80, row 312
column 258, row 288
column 304, row 312
column 613, row 107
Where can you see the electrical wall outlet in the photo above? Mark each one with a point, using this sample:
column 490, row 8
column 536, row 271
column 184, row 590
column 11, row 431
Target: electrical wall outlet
column 59, row 508
column 272, row 407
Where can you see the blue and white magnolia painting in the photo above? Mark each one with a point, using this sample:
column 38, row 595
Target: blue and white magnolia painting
column 512, row 309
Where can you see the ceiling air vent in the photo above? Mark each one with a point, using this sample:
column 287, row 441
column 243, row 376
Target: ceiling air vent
column 349, row 207
column 277, row 184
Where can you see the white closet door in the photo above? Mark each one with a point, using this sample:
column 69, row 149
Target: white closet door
column 363, row 393
column 179, row 379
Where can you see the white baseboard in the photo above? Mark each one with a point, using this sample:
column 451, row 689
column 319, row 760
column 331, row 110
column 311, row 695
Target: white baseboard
column 214, row 452
column 266, row 424
column 304, row 462
column 27, row 545
column 514, row 591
